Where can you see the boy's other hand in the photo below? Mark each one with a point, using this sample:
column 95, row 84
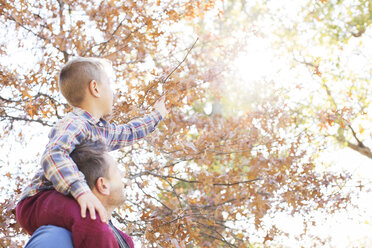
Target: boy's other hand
column 89, row 201
column 160, row 106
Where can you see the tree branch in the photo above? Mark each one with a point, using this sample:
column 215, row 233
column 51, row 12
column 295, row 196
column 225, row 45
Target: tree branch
column 167, row 77
column 179, row 64
column 216, row 238
column 362, row 150
column 169, row 209
column 359, row 147
column 222, row 238
column 39, row 36
column 196, row 181
column 15, row 118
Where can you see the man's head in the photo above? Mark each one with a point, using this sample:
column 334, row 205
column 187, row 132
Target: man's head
column 85, row 79
column 101, row 173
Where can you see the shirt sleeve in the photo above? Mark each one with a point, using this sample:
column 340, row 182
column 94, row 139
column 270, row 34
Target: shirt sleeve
column 56, row 162
column 133, row 131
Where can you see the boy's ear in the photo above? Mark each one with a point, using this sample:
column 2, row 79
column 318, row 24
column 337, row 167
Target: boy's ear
column 103, row 186
column 93, row 88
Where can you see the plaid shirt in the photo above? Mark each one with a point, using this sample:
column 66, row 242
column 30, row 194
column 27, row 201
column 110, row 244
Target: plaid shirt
column 58, row 169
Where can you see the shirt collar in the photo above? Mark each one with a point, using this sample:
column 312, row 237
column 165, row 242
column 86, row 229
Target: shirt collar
column 86, row 115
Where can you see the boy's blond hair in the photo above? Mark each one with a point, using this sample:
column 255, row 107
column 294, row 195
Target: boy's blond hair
column 76, row 75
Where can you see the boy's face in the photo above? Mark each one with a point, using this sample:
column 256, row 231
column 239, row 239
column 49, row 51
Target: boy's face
column 106, row 95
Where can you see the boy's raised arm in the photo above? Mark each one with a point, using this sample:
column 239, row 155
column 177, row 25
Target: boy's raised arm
column 135, row 130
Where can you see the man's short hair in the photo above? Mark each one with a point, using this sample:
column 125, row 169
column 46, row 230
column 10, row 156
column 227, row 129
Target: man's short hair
column 76, row 75
column 90, row 160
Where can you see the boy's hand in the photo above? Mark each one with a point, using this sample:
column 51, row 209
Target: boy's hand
column 89, row 201
column 160, row 106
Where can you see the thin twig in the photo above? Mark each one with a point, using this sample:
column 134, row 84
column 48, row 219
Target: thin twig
column 196, row 181
column 360, row 143
column 165, row 80
column 168, row 76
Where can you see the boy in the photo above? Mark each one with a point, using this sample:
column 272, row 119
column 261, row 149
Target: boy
column 85, row 84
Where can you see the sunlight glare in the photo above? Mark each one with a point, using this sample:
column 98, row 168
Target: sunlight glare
column 255, row 62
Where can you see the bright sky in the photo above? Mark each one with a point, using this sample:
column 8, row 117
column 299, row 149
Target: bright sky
column 260, row 60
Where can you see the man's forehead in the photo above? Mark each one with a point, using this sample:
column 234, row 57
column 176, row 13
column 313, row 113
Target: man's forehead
column 110, row 161
column 108, row 157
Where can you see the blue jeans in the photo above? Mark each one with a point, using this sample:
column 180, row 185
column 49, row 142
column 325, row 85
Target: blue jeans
column 50, row 236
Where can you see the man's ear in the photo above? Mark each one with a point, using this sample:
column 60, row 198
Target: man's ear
column 93, row 88
column 103, row 186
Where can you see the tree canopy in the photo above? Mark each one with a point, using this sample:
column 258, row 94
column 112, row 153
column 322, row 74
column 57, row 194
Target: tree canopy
column 233, row 153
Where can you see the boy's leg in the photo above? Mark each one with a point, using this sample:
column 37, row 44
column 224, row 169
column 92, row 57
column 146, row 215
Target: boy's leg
column 53, row 208
column 27, row 211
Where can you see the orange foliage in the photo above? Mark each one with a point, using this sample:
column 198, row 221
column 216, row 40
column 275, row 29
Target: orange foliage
column 207, row 173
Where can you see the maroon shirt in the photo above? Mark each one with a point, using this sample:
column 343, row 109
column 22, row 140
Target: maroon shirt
column 53, row 208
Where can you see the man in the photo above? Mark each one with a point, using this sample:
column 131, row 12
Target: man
column 104, row 179
column 50, row 236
